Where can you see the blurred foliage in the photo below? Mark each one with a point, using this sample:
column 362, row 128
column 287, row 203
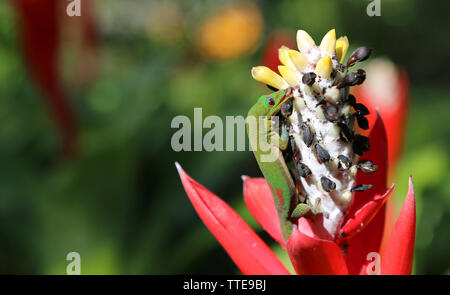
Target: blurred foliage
column 120, row 203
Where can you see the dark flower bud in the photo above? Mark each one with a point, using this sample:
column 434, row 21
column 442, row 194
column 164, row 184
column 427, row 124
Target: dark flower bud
column 309, row 78
column 360, row 54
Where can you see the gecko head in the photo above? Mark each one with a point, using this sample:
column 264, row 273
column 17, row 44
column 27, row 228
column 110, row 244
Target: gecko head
column 269, row 105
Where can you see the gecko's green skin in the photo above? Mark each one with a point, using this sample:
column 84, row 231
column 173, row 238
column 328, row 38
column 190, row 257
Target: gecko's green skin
column 275, row 172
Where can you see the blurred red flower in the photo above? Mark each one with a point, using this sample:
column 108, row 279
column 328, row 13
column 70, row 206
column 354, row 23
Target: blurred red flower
column 270, row 56
column 40, row 27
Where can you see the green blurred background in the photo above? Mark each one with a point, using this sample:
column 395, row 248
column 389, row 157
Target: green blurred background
column 120, row 203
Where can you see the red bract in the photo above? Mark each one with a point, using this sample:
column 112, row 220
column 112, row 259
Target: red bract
column 244, row 246
column 309, row 251
column 387, row 91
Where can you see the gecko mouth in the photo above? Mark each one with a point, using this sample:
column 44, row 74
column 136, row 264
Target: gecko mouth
column 281, row 105
column 287, row 95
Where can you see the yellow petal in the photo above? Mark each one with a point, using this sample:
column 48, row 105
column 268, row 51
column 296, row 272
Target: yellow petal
column 267, row 76
column 283, row 56
column 328, row 44
column 341, row 48
column 289, row 75
column 304, row 41
column 324, row 67
column 299, row 60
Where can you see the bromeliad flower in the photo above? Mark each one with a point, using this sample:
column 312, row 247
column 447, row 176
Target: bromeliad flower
column 324, row 193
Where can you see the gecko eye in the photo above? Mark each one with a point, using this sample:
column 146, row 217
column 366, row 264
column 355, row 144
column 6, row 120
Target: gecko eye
column 270, row 101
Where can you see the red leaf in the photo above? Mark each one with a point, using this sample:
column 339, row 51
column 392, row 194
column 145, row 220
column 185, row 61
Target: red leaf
column 260, row 203
column 248, row 251
column 364, row 215
column 378, row 154
column 369, row 240
column 393, row 109
column 313, row 256
column 398, row 257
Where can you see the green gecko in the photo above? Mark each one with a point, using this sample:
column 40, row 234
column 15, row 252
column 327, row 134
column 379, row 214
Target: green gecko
column 269, row 157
